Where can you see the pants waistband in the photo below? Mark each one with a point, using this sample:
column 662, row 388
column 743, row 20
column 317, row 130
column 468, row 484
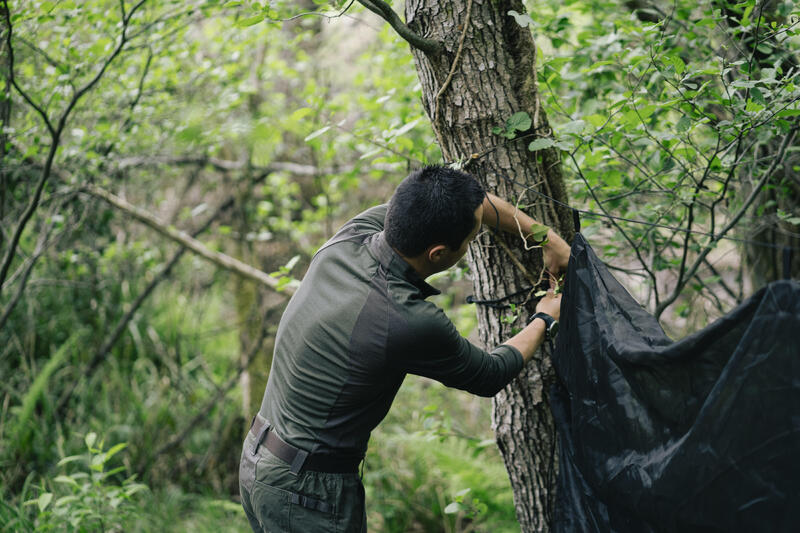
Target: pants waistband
column 297, row 458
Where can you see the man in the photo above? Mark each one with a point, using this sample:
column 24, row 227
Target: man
column 356, row 326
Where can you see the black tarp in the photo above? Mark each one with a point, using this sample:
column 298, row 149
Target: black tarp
column 655, row 435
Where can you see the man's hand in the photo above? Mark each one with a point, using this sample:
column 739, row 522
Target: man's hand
column 550, row 304
column 556, row 253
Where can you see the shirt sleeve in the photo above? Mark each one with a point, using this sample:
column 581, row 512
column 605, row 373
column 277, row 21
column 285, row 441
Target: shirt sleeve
column 426, row 343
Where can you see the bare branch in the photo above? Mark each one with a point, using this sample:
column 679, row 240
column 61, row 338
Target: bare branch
column 122, row 323
column 225, row 165
column 221, row 260
column 385, row 11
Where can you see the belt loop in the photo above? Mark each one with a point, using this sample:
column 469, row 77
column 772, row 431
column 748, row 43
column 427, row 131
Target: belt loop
column 260, row 438
column 297, row 463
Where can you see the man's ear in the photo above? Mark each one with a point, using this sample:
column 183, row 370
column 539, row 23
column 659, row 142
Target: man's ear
column 435, row 253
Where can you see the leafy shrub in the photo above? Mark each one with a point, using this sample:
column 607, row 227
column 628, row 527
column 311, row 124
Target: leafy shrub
column 88, row 498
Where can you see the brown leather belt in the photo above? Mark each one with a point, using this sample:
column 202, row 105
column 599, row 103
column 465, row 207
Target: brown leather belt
column 299, row 459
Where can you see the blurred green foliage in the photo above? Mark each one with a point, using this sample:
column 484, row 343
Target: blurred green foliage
column 297, row 126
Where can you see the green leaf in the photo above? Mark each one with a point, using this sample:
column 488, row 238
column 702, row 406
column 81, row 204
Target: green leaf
column 97, row 463
column 115, row 449
column 519, row 121
column 250, row 21
column 44, row 500
column 70, row 459
column 757, row 95
column 541, row 144
column 679, row 65
column 565, row 144
column 595, row 120
column 539, row 232
column 452, row 508
column 753, row 107
column 574, row 127
column 65, row 500
column 317, row 133
column 90, row 439
column 292, row 262
column 746, row 16
column 300, row 113
column 683, row 124
column 405, row 128
column 523, row 19
column 65, row 479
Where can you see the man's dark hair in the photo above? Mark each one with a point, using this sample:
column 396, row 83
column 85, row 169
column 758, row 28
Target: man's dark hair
column 433, row 205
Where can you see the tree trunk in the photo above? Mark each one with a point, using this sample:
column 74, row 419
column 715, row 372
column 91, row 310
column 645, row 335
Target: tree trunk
column 5, row 107
column 494, row 78
column 764, row 263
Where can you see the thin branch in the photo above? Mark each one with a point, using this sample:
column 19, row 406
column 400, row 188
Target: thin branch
column 315, row 14
column 525, row 272
column 385, row 11
column 453, row 67
column 55, row 135
column 721, row 282
column 37, row 252
column 13, row 80
column 381, row 145
column 28, row 213
column 779, row 157
column 615, row 224
column 227, row 165
column 91, row 83
column 36, row 49
column 221, row 260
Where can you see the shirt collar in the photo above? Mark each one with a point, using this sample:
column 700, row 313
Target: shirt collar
column 392, row 262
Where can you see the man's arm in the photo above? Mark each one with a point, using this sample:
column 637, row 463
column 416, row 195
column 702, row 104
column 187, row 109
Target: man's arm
column 514, row 221
column 529, row 339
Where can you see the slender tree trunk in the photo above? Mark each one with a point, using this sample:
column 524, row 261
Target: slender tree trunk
column 494, row 78
column 5, row 109
column 764, row 263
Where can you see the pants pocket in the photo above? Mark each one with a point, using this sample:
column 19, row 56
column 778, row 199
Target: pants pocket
column 271, row 506
column 310, row 515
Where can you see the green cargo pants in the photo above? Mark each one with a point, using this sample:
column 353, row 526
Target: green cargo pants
column 277, row 501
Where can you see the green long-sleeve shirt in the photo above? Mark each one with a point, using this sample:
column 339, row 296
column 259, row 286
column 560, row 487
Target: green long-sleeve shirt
column 356, row 326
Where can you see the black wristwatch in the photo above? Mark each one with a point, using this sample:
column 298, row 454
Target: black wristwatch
column 550, row 325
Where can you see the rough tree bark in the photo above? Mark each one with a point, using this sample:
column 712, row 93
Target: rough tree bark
column 465, row 95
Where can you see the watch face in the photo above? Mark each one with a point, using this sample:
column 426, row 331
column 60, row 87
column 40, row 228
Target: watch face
column 553, row 329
